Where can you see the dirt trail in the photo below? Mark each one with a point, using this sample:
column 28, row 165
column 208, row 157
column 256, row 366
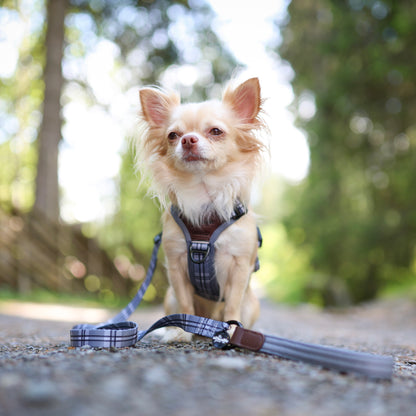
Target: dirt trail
column 41, row 375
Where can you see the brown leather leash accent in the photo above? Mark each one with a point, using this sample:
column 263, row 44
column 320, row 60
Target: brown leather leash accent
column 248, row 339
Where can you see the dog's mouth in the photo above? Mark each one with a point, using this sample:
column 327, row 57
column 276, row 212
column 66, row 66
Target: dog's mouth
column 193, row 157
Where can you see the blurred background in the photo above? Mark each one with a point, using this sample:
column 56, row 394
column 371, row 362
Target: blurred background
column 337, row 205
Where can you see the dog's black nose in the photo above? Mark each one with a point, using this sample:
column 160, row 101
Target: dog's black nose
column 189, row 140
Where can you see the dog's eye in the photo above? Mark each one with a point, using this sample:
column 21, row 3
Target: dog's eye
column 173, row 136
column 215, row 131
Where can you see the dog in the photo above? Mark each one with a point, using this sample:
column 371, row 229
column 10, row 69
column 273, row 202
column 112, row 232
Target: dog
column 203, row 158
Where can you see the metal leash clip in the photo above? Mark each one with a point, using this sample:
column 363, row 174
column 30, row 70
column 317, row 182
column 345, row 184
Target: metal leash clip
column 221, row 339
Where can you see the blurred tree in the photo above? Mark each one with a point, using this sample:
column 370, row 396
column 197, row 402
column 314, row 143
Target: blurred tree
column 47, row 187
column 355, row 89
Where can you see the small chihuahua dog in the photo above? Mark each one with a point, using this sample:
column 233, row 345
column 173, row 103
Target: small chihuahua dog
column 203, row 158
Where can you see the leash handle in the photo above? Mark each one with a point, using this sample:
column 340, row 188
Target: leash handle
column 369, row 365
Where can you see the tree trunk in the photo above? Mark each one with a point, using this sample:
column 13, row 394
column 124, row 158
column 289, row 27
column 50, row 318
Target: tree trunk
column 47, row 187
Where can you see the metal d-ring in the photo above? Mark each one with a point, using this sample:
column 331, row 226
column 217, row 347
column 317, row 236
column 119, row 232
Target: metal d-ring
column 232, row 322
column 193, row 250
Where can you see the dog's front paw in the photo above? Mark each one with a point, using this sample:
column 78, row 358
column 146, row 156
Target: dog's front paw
column 176, row 335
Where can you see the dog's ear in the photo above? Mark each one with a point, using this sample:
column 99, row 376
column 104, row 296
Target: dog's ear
column 156, row 106
column 245, row 100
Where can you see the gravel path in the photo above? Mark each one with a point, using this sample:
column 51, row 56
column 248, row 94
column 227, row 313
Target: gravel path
column 41, row 375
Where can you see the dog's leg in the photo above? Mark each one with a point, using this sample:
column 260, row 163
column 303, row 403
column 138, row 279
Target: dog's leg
column 178, row 300
column 235, row 293
column 250, row 309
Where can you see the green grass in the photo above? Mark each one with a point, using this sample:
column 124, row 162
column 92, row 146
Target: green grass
column 403, row 290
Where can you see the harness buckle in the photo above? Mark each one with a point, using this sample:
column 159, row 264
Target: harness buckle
column 157, row 238
column 198, row 248
column 239, row 210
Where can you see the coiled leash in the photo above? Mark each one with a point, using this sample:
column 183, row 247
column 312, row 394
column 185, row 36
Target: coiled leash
column 117, row 332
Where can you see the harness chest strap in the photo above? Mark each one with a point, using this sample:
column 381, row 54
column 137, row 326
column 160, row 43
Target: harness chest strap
column 200, row 242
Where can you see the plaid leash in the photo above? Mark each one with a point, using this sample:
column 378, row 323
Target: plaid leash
column 118, row 333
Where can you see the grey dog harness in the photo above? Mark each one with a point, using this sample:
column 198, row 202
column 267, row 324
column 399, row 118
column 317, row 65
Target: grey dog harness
column 200, row 243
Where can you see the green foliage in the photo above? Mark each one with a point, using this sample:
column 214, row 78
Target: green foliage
column 151, row 37
column 356, row 208
column 283, row 271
